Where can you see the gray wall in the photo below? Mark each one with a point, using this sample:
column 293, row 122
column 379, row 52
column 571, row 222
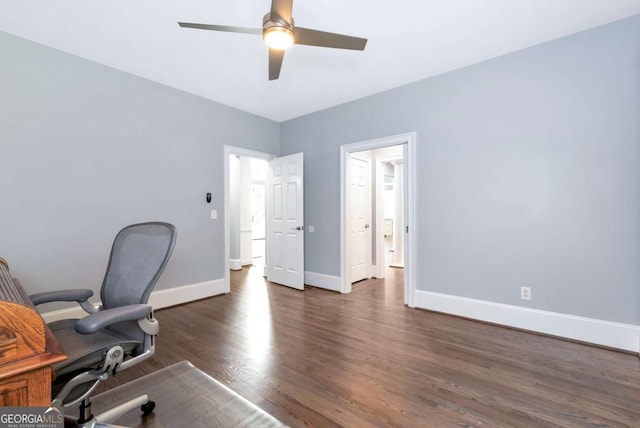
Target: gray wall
column 528, row 174
column 528, row 171
column 86, row 150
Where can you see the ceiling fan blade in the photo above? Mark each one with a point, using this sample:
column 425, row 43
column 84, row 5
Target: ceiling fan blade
column 307, row 36
column 226, row 28
column 282, row 8
column 275, row 63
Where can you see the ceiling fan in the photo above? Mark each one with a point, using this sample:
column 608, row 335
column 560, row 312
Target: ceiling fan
column 279, row 32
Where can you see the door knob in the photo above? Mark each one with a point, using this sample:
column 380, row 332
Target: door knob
column 366, row 226
column 298, row 228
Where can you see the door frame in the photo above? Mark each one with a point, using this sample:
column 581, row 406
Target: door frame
column 410, row 210
column 235, row 151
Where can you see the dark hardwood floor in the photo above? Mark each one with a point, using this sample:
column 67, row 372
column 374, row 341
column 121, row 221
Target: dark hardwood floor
column 323, row 359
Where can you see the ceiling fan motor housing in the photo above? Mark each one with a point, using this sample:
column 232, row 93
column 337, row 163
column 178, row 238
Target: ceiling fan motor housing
column 276, row 22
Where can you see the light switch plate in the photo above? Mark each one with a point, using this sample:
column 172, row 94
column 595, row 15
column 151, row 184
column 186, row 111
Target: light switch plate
column 214, row 214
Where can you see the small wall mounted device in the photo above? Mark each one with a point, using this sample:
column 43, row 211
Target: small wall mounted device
column 208, row 198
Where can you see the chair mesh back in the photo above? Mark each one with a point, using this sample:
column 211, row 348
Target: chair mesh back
column 138, row 257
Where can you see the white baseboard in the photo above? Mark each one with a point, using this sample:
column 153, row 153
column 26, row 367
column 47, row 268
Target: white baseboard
column 321, row 280
column 235, row 264
column 187, row 293
column 158, row 299
column 599, row 332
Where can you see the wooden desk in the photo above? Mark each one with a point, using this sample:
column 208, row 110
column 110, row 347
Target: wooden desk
column 28, row 349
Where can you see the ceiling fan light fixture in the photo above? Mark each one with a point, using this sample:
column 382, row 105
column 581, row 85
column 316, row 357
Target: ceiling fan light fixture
column 279, row 38
column 279, row 32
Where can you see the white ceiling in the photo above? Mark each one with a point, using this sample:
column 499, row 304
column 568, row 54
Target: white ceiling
column 409, row 40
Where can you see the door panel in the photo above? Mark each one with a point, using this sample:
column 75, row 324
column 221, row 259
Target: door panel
column 277, row 202
column 359, row 218
column 285, row 221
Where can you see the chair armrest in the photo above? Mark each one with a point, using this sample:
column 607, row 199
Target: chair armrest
column 61, row 296
column 94, row 322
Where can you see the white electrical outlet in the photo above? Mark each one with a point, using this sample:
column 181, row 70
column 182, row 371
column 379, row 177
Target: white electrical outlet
column 525, row 293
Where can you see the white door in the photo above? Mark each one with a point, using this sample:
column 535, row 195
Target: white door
column 359, row 218
column 285, row 226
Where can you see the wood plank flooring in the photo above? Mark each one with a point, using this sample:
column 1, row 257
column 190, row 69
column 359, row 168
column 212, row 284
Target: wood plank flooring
column 323, row 359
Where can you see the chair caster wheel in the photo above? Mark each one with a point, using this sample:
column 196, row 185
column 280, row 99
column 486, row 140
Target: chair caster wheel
column 148, row 407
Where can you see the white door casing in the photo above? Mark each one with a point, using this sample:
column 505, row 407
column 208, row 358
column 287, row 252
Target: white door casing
column 359, row 217
column 285, row 221
column 398, row 225
column 411, row 221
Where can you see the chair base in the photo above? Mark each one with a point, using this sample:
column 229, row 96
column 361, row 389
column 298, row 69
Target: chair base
column 187, row 397
column 102, row 420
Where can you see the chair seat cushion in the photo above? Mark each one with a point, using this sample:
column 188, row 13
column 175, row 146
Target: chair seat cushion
column 85, row 350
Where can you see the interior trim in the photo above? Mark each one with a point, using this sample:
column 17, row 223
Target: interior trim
column 159, row 299
column 411, row 217
column 321, row 280
column 590, row 330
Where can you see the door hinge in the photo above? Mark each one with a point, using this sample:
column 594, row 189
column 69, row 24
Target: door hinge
column 406, row 229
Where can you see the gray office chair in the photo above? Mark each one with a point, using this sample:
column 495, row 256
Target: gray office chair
column 117, row 334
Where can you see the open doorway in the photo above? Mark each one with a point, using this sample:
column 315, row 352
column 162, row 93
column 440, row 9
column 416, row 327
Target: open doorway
column 390, row 207
column 375, row 212
column 258, row 217
column 247, row 225
column 264, row 214
column 371, row 170
column 245, row 207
